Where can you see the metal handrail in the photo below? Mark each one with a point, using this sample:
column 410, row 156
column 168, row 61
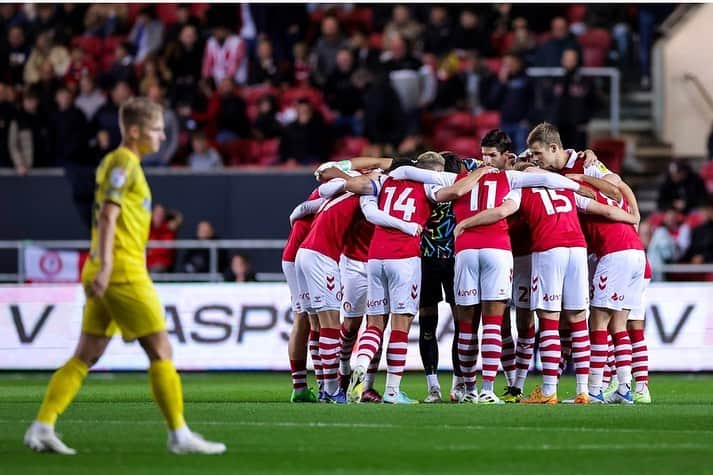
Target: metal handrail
column 612, row 73
column 700, row 87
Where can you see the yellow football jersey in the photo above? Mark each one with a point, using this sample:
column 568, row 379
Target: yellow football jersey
column 120, row 179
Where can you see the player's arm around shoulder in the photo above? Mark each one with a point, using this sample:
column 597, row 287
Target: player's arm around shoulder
column 612, row 213
column 464, row 186
column 508, row 207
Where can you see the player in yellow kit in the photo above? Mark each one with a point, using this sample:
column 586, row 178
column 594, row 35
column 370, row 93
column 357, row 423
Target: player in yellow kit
column 120, row 296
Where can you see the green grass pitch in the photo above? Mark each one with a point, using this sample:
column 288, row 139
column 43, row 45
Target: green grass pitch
column 118, row 430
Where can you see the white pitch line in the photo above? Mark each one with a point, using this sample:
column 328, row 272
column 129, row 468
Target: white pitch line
column 366, row 425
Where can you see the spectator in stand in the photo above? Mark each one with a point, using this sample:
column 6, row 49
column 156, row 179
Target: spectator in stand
column 100, row 146
column 90, row 98
column 107, row 116
column 184, row 58
column 29, row 136
column 451, row 86
column 184, row 18
column 203, row 156
column 122, row 69
column 470, row 34
column 164, row 227
column 147, row 34
column 573, row 102
column 226, row 55
column 266, row 124
column 70, row 19
column 403, row 25
column 549, row 54
column 512, row 94
column 682, row 188
column 325, row 50
column 364, row 55
column 16, row 56
column 7, row 114
column 343, row 98
column 69, row 129
column 474, row 77
column 197, row 261
column 46, row 51
column 523, row 41
column 301, row 68
column 240, row 269
column 171, row 130
column 307, row 140
column 232, row 120
column 106, row 19
column 701, row 250
column 669, row 242
column 384, row 119
column 265, row 70
column 155, row 71
column 80, row 66
column 438, row 37
column 47, row 87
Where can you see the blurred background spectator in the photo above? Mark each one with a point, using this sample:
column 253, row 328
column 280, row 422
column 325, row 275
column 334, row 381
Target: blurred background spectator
column 203, row 156
column 682, row 188
column 240, row 269
column 164, row 227
column 197, row 261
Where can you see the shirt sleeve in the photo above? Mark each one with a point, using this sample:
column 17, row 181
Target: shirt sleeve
column 547, row 179
column 424, row 176
column 431, row 191
column 306, row 208
column 374, row 215
column 582, row 202
column 331, row 188
column 597, row 170
column 118, row 180
column 514, row 195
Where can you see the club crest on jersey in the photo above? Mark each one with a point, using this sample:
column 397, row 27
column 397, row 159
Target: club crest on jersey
column 117, row 177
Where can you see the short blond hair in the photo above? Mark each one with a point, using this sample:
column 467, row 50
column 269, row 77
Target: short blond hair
column 431, row 160
column 545, row 133
column 138, row 111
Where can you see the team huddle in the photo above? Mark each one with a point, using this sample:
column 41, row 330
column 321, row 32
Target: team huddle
column 550, row 232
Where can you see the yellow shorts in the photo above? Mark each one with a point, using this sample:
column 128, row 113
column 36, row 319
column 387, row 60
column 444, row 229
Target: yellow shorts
column 132, row 309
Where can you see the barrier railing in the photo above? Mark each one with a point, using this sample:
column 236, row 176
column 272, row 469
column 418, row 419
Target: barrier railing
column 214, row 246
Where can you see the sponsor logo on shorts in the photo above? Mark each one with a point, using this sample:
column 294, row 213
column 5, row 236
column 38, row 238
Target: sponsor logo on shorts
column 401, row 306
column 347, row 306
column 330, row 282
column 304, row 295
column 534, row 283
column 467, row 292
column 376, row 303
column 551, row 297
column 616, row 297
column 603, row 282
column 414, row 291
column 317, row 299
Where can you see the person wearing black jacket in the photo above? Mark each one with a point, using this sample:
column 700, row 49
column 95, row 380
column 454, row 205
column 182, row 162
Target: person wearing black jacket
column 307, row 139
column 512, row 94
column 342, row 96
column 682, row 189
column 232, row 119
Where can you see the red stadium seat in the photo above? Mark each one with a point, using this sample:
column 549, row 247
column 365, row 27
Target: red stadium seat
column 655, row 219
column 359, row 17
column 376, row 40
column 575, row 13
column 464, row 146
column 198, row 9
column 133, row 10
column 90, row 44
column 611, row 152
column 241, row 152
column 707, row 175
column 694, row 219
column 166, row 12
column 269, row 152
column 253, row 94
column 292, row 95
column 494, row 64
column 349, row 147
column 110, row 44
column 486, row 121
column 460, row 123
column 595, row 47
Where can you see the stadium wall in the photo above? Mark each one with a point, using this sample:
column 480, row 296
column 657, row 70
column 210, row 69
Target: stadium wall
column 246, row 327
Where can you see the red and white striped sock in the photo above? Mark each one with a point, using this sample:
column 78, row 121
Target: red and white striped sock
column 610, row 366
column 329, row 352
column 581, row 353
column 566, row 350
column 316, row 360
column 372, row 369
column 347, row 339
column 507, row 358
column 639, row 359
column 523, row 356
column 491, row 348
column 369, row 345
column 622, row 354
column 550, row 354
column 395, row 360
column 599, row 359
column 298, row 368
column 467, row 353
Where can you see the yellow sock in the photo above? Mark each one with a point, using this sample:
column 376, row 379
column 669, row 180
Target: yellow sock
column 62, row 388
column 167, row 391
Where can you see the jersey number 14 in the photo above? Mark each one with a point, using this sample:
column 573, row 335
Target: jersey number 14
column 403, row 202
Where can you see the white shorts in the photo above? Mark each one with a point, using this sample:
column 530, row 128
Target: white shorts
column 619, row 280
column 522, row 270
column 288, row 268
column 559, row 279
column 354, row 282
column 638, row 311
column 318, row 279
column 482, row 274
column 394, row 286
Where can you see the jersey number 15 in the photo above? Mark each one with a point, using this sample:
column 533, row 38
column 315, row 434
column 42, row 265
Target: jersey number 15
column 550, row 197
